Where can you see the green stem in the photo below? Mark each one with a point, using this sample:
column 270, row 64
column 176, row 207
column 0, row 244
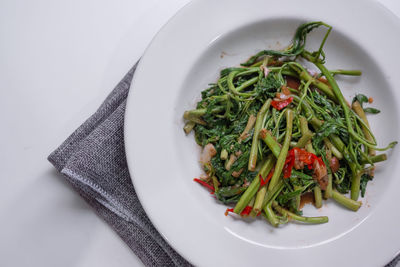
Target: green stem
column 236, row 91
column 247, row 84
column 360, row 112
column 229, row 81
column 374, row 159
column 271, row 215
column 269, row 196
column 215, row 183
column 257, row 64
column 250, row 123
column 189, row 126
column 268, row 199
column 273, row 145
column 355, row 186
column 259, row 199
column 248, row 71
column 339, row 145
column 318, row 197
column 303, row 125
column 304, row 139
column 282, row 155
column 334, row 150
column 328, row 153
column 316, row 123
column 303, row 95
column 345, row 201
column 257, row 128
column 194, row 114
column 304, row 75
column 195, row 119
column 291, row 215
column 304, row 130
column 328, row 190
column 255, row 184
column 323, row 40
column 346, row 72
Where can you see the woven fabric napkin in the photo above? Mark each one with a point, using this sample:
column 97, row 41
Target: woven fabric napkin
column 93, row 160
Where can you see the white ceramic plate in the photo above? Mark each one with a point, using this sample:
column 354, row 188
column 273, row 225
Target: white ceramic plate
column 185, row 56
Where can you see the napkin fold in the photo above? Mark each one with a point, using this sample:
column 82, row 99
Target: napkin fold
column 93, row 160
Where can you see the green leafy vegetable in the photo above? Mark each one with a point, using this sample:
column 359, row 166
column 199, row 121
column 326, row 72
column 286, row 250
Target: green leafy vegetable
column 361, row 99
column 365, row 178
column 253, row 126
column 372, row 110
column 295, row 49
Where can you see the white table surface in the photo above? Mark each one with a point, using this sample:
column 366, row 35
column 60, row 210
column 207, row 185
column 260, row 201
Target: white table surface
column 58, row 61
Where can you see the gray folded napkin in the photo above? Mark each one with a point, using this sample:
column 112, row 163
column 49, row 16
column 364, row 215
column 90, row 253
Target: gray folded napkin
column 93, row 160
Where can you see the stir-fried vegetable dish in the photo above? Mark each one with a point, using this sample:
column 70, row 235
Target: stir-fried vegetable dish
column 276, row 134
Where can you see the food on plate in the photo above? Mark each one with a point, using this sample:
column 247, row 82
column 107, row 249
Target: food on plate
column 276, row 134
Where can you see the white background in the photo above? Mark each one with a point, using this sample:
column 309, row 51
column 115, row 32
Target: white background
column 58, row 61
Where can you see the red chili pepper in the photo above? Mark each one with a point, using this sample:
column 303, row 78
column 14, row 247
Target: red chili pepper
column 287, row 169
column 289, row 163
column 300, row 155
column 270, row 174
column 227, row 211
column 246, row 211
column 320, row 161
column 304, row 156
column 205, row 184
column 264, row 182
column 282, row 103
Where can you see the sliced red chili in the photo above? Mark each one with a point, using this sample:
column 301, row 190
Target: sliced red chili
column 227, row 211
column 287, row 170
column 270, row 174
column 281, row 103
column 262, row 181
column 208, row 186
column 301, row 155
column 289, row 163
column 246, row 211
column 304, row 156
